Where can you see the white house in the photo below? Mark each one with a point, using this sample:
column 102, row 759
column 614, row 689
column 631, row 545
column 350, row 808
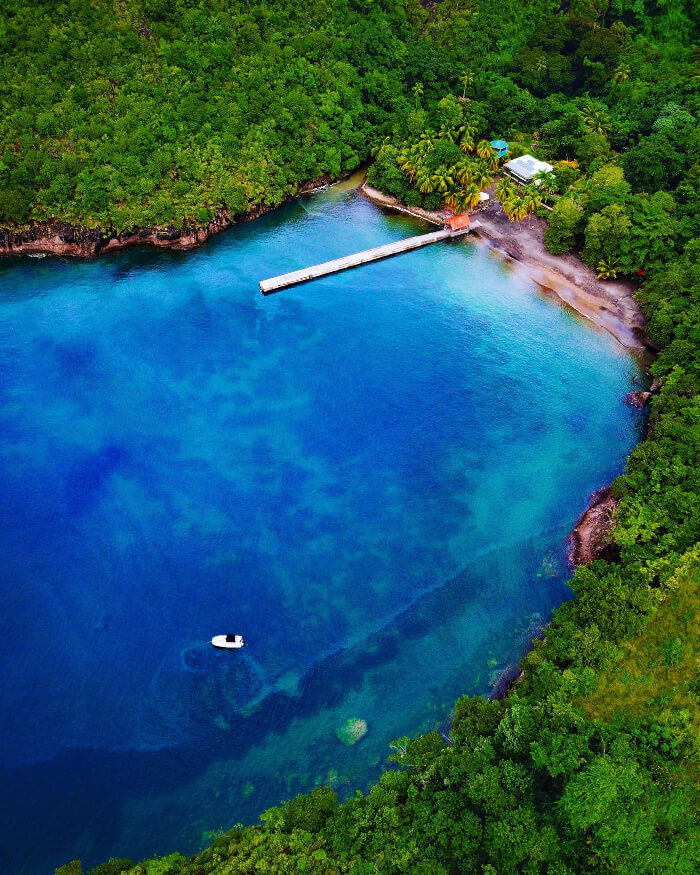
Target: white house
column 525, row 168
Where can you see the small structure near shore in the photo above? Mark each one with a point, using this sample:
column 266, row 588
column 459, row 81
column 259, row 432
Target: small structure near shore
column 460, row 222
column 524, row 169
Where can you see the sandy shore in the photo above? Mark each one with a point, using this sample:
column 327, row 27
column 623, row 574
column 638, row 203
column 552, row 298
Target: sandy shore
column 609, row 304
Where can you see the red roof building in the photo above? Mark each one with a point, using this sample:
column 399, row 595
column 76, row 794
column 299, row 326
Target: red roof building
column 458, row 223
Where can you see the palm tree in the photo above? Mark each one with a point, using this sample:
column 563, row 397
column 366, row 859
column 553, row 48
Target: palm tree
column 472, row 195
column 482, row 177
column 505, row 190
column 468, row 128
column 404, row 159
column 531, row 199
column 442, row 179
column 544, row 180
column 464, row 171
column 466, row 144
column 453, row 198
column 466, row 79
column 595, row 119
column 508, row 203
column 515, row 209
column 466, row 134
column 622, row 74
column 410, row 170
column 417, row 92
column 424, row 181
column 462, row 204
column 446, row 133
column 483, row 149
column 492, row 162
column 608, row 268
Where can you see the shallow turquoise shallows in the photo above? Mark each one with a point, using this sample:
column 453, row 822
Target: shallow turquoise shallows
column 370, row 477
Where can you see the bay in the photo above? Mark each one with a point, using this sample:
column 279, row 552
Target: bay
column 371, row 477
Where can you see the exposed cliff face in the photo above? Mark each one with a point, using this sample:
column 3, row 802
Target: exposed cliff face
column 54, row 237
column 590, row 538
column 61, row 238
column 638, row 399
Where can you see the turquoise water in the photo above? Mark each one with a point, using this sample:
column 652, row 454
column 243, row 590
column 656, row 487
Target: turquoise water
column 371, row 477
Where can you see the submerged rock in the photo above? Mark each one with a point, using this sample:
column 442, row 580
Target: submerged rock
column 352, row 730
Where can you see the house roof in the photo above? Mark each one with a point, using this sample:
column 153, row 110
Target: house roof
column 499, row 145
column 526, row 167
column 456, row 223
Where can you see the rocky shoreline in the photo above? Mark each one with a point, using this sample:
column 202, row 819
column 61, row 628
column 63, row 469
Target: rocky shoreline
column 54, row 237
column 590, row 538
column 435, row 217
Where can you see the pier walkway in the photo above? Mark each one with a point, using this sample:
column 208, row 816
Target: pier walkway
column 275, row 283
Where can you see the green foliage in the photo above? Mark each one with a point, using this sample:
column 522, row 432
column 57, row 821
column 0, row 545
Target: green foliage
column 594, row 147
column 565, row 222
column 112, row 867
column 123, row 114
column 438, row 169
column 654, row 163
column 309, row 811
column 606, row 186
column 605, row 232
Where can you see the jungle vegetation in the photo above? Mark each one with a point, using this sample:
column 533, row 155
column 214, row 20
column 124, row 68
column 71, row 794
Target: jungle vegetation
column 124, row 113
column 142, row 112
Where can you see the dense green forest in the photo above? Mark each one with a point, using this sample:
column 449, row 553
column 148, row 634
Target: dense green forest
column 123, row 114
column 148, row 112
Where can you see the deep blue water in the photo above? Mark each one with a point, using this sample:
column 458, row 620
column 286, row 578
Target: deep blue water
column 370, row 477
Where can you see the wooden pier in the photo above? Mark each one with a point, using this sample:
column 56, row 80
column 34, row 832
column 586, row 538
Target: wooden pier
column 275, row 283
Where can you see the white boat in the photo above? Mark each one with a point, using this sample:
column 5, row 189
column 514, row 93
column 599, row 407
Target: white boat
column 228, row 642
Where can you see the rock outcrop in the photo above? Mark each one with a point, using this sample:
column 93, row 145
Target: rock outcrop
column 54, row 237
column 590, row 538
column 638, row 399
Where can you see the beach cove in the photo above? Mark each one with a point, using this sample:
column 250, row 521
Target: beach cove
column 371, row 477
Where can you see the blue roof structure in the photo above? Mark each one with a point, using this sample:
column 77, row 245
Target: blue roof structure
column 500, row 147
